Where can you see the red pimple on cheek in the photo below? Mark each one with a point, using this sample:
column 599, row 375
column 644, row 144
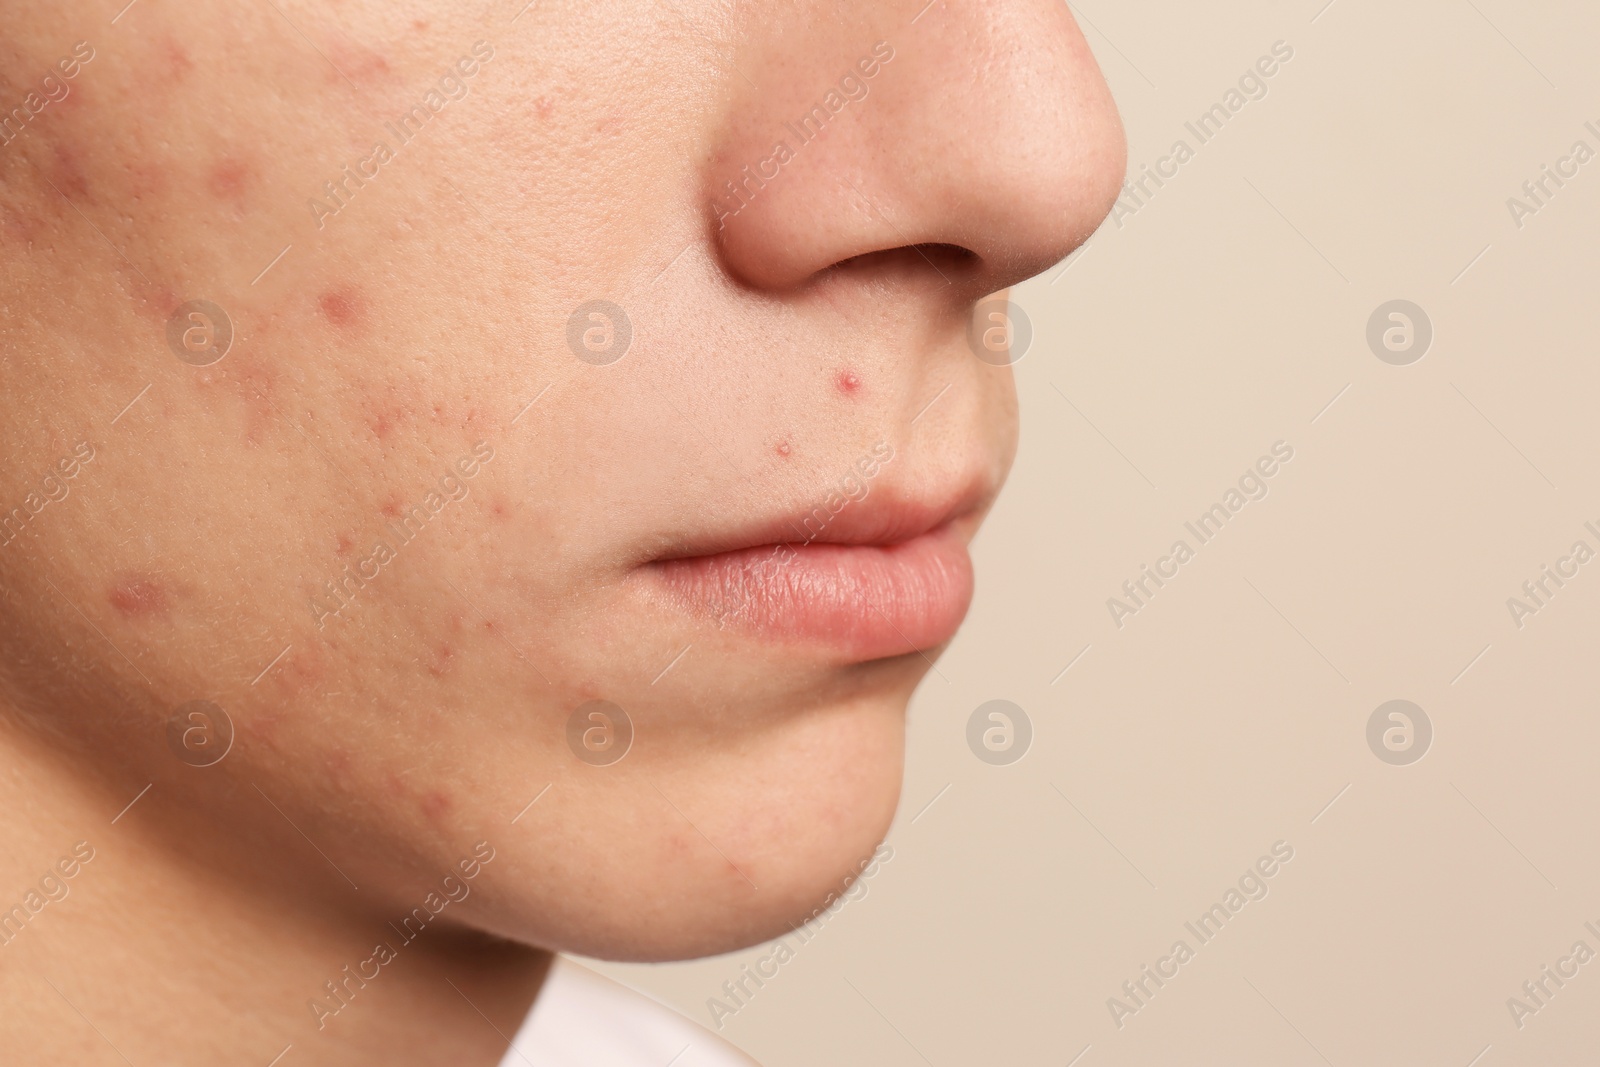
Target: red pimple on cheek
column 69, row 173
column 342, row 306
column 847, row 382
column 302, row 671
column 782, row 449
column 434, row 804
column 358, row 62
column 227, row 179
column 442, row 658
column 175, row 61
column 137, row 597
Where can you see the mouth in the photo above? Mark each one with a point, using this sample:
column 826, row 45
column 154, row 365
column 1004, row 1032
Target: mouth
column 884, row 576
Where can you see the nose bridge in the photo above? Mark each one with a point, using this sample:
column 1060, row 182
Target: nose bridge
column 982, row 126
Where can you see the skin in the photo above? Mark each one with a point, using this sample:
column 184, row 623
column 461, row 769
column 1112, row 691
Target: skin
column 375, row 749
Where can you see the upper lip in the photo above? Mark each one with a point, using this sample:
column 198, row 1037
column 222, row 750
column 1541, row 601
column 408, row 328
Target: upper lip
column 887, row 515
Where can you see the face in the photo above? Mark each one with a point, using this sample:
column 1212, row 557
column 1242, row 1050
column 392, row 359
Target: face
column 454, row 397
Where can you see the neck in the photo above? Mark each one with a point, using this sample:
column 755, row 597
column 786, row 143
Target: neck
column 137, row 934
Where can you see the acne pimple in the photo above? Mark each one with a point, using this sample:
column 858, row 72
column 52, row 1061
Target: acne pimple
column 356, row 62
column 442, row 658
column 138, row 597
column 175, row 60
column 782, row 448
column 301, row 671
column 228, row 178
column 434, row 804
column 69, row 174
column 847, row 382
column 342, row 306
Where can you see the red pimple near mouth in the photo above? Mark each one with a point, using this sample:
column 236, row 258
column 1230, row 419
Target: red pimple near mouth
column 847, row 382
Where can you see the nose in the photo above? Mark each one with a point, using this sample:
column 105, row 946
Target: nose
column 978, row 132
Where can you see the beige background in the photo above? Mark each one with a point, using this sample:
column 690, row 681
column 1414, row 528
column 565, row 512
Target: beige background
column 1222, row 317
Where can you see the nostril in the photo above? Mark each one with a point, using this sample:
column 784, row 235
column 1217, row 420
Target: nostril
column 942, row 262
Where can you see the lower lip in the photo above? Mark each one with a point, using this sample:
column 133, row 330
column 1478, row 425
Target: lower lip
column 867, row 601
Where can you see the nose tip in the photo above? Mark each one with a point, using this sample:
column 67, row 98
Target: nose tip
column 986, row 128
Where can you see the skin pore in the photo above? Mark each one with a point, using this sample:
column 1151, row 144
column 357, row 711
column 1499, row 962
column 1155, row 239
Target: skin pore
column 407, row 524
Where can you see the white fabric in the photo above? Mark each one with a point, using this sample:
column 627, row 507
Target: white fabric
column 583, row 1019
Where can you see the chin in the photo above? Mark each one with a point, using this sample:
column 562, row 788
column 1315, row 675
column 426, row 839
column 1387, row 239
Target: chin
column 755, row 840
